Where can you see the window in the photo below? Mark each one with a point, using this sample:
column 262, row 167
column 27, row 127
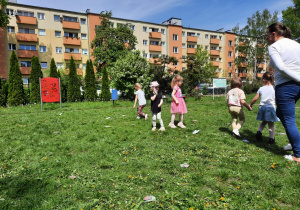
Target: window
column 145, row 55
column 84, row 66
column 220, row 49
column 230, row 43
column 12, row 47
column 198, row 35
column 151, row 55
column 58, row 50
column 213, row 48
column 132, row 27
column 71, row 35
column 191, row 46
column 220, row 70
column 25, row 13
column 42, row 32
column 206, row 36
column 56, row 18
column 183, row 33
column 83, row 36
column 175, row 49
column 27, row 47
column 43, row 49
column 229, row 64
column 25, row 81
column 10, row 29
column 163, row 44
column 144, row 29
column 183, row 45
column 111, row 24
column 59, row 65
column 191, row 34
column 82, row 21
column 220, row 60
column 70, row 19
column 175, row 37
column 145, row 42
column 220, row 37
column 154, row 43
column 230, row 54
column 229, row 74
column 44, row 65
column 72, row 50
column 175, row 64
column 41, row 16
column 9, row 12
column 26, row 31
column 206, row 47
column 163, row 31
column 84, row 52
column 57, row 33
column 25, row 63
column 213, row 37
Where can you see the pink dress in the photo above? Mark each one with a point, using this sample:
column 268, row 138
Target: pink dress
column 179, row 108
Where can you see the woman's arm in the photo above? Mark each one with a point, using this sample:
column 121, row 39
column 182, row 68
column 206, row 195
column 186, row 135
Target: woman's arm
column 174, row 97
column 256, row 97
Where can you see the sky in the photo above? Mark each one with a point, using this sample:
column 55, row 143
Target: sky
column 201, row 14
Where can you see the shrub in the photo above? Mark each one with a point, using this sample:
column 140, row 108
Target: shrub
column 252, row 86
column 105, row 92
column 35, row 74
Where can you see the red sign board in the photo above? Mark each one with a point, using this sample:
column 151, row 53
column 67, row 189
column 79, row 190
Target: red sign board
column 50, row 89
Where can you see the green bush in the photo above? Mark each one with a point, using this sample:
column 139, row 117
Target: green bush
column 252, row 86
column 105, row 92
column 35, row 74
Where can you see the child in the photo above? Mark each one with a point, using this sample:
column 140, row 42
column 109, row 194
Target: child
column 235, row 101
column 266, row 112
column 156, row 102
column 178, row 105
column 140, row 95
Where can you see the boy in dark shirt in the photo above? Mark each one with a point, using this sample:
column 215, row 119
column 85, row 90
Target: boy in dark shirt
column 156, row 102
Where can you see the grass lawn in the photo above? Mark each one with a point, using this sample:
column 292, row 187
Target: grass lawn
column 70, row 159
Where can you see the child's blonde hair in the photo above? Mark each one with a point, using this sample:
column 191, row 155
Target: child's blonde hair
column 175, row 80
column 138, row 85
column 236, row 82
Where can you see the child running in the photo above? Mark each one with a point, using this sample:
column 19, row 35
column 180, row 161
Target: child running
column 178, row 105
column 156, row 102
column 266, row 112
column 235, row 101
column 140, row 95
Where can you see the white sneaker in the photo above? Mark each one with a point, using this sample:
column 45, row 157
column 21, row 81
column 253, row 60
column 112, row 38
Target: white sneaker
column 162, row 129
column 236, row 132
column 154, row 128
column 146, row 117
column 181, row 125
column 288, row 157
column 172, row 125
column 288, row 147
column 138, row 118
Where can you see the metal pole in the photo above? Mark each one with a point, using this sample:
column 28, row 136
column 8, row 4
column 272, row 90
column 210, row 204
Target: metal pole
column 59, row 92
column 41, row 94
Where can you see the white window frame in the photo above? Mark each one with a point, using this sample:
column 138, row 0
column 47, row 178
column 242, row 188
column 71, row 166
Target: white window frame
column 59, row 50
column 42, row 48
column 183, row 45
column 175, row 49
column 220, row 49
column 56, row 16
column 84, row 51
column 59, row 33
column 145, row 42
column 230, row 53
column 132, row 27
column 206, row 36
column 59, row 65
column 10, row 29
column 83, row 36
column 12, row 46
column 145, row 55
column 220, row 60
column 40, row 16
column 230, row 43
column 163, row 44
column 230, row 64
column 163, row 31
column 82, row 21
column 175, row 37
column 198, row 35
column 42, row 32
column 221, row 38
column 44, row 63
column 84, row 66
column 183, row 33
column 145, row 29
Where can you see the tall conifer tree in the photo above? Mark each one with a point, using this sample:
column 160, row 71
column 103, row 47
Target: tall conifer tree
column 53, row 69
column 73, row 85
column 90, row 82
column 35, row 74
column 105, row 93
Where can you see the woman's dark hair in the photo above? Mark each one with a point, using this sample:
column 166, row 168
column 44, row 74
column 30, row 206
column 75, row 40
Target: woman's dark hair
column 280, row 30
column 236, row 82
column 269, row 76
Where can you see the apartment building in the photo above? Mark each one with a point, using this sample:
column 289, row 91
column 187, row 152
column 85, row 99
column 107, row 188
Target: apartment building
column 59, row 34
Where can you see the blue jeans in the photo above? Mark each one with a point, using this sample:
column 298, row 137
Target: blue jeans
column 287, row 94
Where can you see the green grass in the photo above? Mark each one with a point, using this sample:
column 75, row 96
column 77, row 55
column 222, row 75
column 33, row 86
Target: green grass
column 117, row 166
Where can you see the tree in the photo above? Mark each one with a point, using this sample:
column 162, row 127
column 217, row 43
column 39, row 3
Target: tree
column 111, row 43
column 128, row 70
column 35, row 74
column 199, row 69
column 105, row 93
column 4, row 18
column 291, row 18
column 251, row 44
column 2, row 93
column 53, row 69
column 73, row 84
column 15, row 83
column 90, row 82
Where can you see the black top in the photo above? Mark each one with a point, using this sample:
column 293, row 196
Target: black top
column 154, row 104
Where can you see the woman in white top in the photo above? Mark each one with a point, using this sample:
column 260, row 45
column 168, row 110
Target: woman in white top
column 285, row 60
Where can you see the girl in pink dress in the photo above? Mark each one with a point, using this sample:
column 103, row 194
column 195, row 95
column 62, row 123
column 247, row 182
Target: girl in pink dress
column 178, row 105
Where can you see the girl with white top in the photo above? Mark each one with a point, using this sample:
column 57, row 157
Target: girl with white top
column 285, row 60
column 267, row 111
column 140, row 95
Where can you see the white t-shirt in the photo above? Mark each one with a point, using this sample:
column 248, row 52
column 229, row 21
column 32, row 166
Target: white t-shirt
column 267, row 96
column 285, row 60
column 141, row 97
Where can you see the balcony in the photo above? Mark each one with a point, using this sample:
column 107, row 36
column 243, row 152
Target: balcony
column 71, row 25
column 191, row 50
column 215, row 63
column 155, row 35
column 76, row 56
column 27, row 53
column 260, row 75
column 243, row 65
column 27, row 37
column 261, row 66
column 26, row 20
column 243, row 55
column 25, row 70
column 155, row 48
column 155, row 61
column 215, row 41
column 242, row 74
column 215, row 52
column 192, row 39
column 72, row 41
